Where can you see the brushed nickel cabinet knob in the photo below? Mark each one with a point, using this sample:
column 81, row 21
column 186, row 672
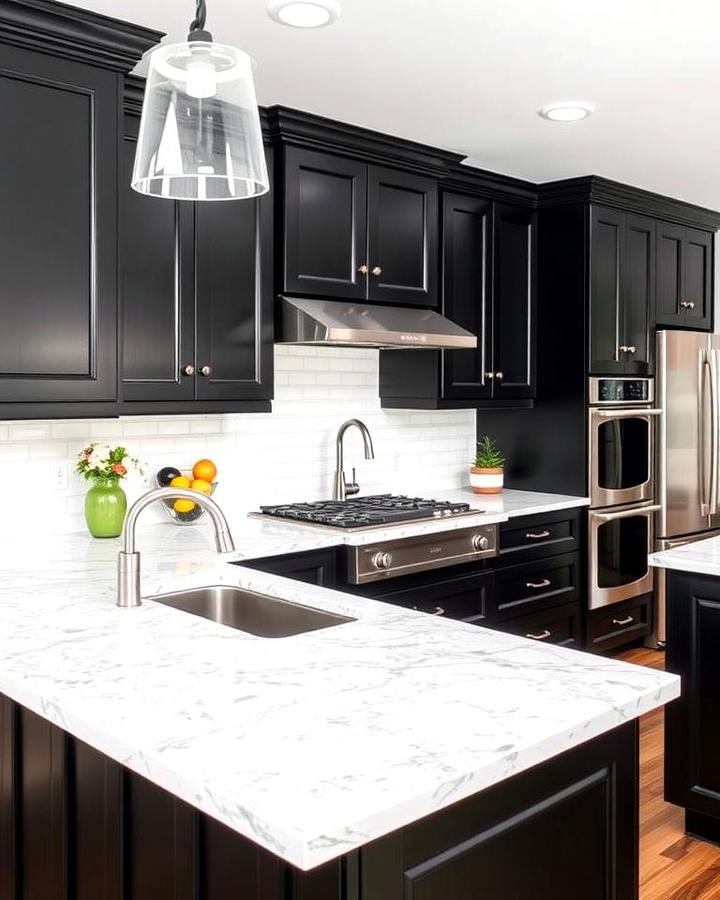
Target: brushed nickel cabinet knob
column 206, row 371
column 499, row 376
column 188, row 370
column 623, row 348
column 376, row 271
column 363, row 269
column 490, row 375
column 631, row 349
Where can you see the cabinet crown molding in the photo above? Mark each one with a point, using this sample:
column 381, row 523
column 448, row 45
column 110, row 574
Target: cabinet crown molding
column 603, row 191
column 293, row 126
column 74, row 33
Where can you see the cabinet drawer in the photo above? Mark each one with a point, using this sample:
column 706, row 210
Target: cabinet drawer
column 621, row 623
column 467, row 598
column 537, row 585
column 560, row 625
column 535, row 537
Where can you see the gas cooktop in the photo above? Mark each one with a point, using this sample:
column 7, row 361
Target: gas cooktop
column 367, row 512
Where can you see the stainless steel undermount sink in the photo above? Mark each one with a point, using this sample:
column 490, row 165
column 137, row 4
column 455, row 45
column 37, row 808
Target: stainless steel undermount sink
column 256, row 614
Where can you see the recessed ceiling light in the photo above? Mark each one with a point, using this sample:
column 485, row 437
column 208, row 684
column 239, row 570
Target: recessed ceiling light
column 304, row 13
column 567, row 112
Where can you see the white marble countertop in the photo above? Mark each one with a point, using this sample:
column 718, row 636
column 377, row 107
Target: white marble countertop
column 702, row 557
column 309, row 745
column 256, row 537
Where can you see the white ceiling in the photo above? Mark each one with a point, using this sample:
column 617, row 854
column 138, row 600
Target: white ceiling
column 470, row 75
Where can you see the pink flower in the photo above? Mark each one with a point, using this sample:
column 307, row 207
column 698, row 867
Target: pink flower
column 119, row 469
column 85, row 455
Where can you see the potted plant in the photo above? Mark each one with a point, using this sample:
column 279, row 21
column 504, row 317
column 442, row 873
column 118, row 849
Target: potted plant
column 105, row 502
column 486, row 475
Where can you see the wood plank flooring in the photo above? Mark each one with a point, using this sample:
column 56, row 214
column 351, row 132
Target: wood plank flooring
column 672, row 866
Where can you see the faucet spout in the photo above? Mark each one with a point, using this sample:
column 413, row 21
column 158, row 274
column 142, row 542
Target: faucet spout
column 129, row 557
column 342, row 488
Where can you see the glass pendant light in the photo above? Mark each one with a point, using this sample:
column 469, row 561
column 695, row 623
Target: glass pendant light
column 200, row 135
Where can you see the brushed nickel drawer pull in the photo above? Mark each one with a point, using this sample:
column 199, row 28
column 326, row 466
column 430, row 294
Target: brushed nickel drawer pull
column 626, row 621
column 438, row 611
column 537, row 535
column 543, row 636
column 538, row 584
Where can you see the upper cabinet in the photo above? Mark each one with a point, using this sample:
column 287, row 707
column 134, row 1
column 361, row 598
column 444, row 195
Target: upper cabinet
column 358, row 231
column 684, row 277
column 488, row 287
column 622, row 293
column 195, row 300
column 57, row 230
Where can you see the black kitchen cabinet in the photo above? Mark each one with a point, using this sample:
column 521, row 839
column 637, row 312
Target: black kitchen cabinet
column 312, row 567
column 64, row 808
column 622, row 293
column 488, row 287
column 692, row 723
column 358, row 231
column 195, row 299
column 685, row 259
column 57, row 231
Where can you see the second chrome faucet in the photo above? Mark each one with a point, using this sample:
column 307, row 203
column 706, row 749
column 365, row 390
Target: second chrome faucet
column 343, row 489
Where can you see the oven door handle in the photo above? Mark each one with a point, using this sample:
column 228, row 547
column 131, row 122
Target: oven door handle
column 625, row 413
column 625, row 513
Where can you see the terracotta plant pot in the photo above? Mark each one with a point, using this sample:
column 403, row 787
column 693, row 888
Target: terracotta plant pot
column 486, row 481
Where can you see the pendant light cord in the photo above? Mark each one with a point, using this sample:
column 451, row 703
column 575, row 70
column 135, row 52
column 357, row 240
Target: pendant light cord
column 197, row 26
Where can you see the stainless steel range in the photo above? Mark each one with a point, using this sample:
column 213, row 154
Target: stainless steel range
column 391, row 557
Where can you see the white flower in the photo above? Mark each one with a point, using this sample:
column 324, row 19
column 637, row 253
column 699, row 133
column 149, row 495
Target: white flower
column 98, row 456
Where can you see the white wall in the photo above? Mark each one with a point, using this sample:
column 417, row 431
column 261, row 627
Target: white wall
column 287, row 455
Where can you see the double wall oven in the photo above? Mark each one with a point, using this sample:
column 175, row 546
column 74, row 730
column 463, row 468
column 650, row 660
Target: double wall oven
column 621, row 455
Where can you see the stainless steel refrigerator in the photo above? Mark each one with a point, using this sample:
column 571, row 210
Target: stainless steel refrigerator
column 688, row 447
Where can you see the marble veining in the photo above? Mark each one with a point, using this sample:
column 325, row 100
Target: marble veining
column 310, row 745
column 701, row 557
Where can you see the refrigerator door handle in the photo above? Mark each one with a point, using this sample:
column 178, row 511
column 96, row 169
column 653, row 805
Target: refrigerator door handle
column 714, row 443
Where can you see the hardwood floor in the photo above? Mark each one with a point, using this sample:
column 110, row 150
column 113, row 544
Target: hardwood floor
column 672, row 866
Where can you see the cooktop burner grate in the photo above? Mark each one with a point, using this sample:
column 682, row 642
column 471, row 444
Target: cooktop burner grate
column 366, row 512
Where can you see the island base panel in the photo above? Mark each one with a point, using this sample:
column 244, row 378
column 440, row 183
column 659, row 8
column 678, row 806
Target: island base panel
column 75, row 825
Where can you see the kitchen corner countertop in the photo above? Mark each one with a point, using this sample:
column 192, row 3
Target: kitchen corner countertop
column 311, row 745
column 701, row 557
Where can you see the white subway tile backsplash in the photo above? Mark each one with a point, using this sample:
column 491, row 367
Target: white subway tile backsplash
column 285, row 455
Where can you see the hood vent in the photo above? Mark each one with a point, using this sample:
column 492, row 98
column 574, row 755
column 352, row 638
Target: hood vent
column 344, row 323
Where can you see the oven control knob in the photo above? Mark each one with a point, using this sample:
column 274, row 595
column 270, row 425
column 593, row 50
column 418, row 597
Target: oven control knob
column 382, row 560
column 480, row 542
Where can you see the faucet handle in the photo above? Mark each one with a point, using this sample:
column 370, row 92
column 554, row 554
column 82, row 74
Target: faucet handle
column 352, row 487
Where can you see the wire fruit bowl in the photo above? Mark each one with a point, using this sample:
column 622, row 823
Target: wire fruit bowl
column 193, row 515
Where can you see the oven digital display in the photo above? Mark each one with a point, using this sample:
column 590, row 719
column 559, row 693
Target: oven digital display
column 623, row 390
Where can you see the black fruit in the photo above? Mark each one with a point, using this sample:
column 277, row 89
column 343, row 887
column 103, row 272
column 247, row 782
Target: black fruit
column 166, row 475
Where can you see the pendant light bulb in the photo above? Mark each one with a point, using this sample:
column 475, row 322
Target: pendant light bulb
column 200, row 136
column 201, row 82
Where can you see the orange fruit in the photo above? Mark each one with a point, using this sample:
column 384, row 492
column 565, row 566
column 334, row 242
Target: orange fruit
column 205, row 469
column 201, row 485
column 181, row 481
column 183, row 506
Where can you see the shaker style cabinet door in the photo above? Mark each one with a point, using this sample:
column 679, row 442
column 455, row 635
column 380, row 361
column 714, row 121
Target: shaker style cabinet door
column 467, row 292
column 234, row 320
column 325, row 224
column 684, row 277
column 57, row 230
column 514, row 300
column 638, row 290
column 157, row 301
column 606, row 313
column 402, row 237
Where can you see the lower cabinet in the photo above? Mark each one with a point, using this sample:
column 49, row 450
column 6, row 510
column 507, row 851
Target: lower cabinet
column 313, row 567
column 74, row 823
column 619, row 624
column 692, row 723
column 560, row 625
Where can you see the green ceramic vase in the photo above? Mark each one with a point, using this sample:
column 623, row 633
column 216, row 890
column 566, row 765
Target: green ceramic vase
column 105, row 508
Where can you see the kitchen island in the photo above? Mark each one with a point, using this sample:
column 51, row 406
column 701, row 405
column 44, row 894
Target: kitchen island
column 158, row 754
column 692, row 733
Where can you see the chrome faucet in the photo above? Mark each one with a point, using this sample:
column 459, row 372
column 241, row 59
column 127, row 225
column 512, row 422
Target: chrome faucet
column 341, row 488
column 129, row 558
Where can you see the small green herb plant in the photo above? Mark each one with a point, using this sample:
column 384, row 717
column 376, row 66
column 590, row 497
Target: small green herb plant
column 488, row 456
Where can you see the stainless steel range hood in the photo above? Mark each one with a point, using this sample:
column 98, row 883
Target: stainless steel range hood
column 344, row 323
